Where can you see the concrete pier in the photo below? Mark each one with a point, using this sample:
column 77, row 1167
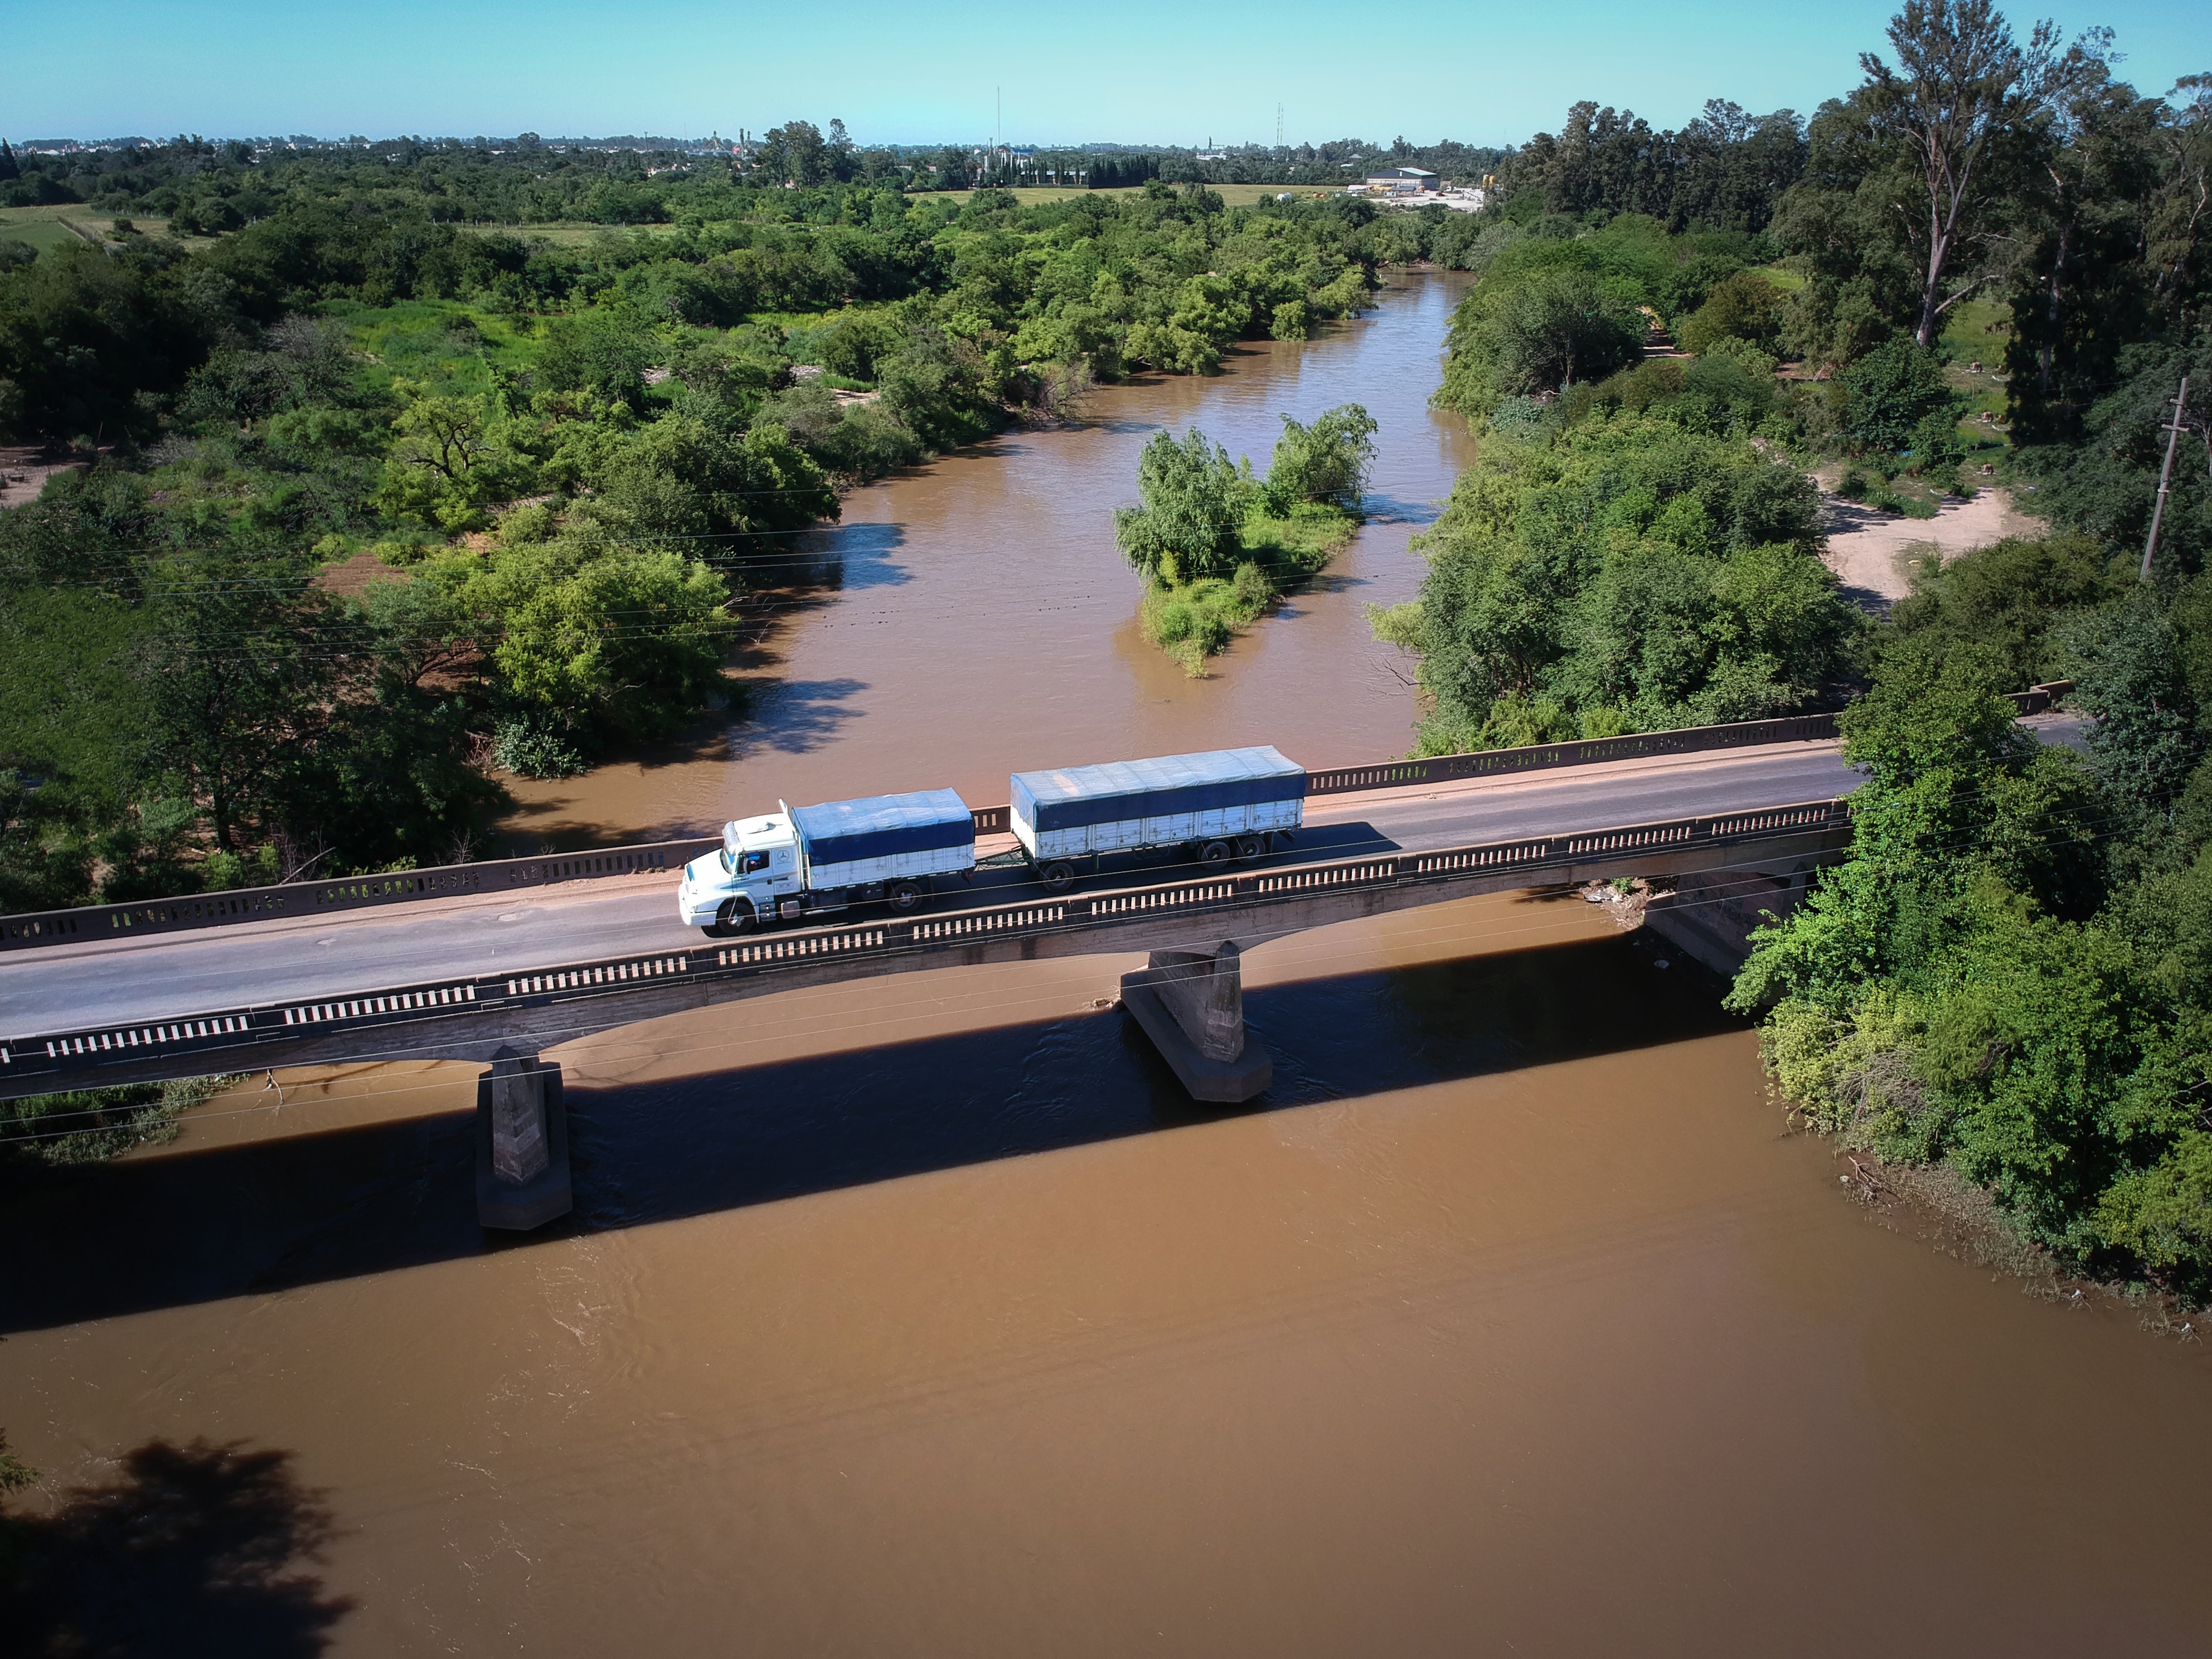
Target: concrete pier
column 522, row 1144
column 1709, row 916
column 1191, row 1004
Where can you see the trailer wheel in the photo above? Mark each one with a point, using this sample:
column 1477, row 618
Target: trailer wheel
column 1058, row 875
column 735, row 917
column 1214, row 854
column 1250, row 847
column 905, row 894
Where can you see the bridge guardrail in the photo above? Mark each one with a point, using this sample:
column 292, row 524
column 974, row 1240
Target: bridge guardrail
column 322, row 897
column 221, row 1034
column 1587, row 752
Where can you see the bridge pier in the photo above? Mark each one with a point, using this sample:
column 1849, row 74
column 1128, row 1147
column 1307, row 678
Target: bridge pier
column 522, row 1144
column 1191, row 1004
column 1710, row 915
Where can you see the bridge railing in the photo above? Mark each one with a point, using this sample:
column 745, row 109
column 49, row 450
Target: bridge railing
column 323, row 897
column 223, row 1039
column 1588, row 751
column 315, row 898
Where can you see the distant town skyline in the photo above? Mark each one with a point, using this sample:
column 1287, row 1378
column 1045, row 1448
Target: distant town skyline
column 1146, row 73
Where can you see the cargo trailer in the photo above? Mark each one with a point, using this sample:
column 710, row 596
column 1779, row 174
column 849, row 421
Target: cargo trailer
column 1225, row 803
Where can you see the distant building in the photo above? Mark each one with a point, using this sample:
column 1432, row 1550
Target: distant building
column 1395, row 181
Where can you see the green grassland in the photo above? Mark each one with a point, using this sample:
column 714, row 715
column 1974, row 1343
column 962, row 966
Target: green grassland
column 51, row 226
column 1232, row 195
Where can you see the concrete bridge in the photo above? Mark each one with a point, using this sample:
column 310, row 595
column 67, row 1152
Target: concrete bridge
column 473, row 974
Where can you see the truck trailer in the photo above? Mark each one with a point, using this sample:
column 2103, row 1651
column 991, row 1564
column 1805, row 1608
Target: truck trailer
column 1229, row 803
column 786, row 866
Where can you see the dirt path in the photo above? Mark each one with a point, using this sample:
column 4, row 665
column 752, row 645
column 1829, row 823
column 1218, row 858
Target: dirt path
column 1870, row 550
column 25, row 468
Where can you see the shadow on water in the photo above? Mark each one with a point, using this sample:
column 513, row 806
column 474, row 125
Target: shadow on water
column 192, row 1550
column 196, row 1226
column 795, row 716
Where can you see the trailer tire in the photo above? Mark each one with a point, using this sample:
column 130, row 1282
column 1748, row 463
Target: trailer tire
column 735, row 917
column 1214, row 854
column 1250, row 847
column 905, row 894
column 1058, row 876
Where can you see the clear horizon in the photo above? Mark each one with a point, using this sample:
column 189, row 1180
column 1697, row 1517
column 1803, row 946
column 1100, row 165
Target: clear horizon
column 1153, row 75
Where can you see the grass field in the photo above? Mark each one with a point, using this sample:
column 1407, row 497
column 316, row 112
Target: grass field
column 570, row 233
column 1234, row 195
column 49, row 227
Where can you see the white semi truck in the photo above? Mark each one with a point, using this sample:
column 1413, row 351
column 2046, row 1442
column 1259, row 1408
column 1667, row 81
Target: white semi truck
column 786, row 866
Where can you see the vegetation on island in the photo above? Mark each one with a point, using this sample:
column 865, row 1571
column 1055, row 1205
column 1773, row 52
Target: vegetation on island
column 1217, row 543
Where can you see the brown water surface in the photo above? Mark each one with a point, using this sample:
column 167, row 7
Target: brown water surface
column 922, row 1315
column 971, row 618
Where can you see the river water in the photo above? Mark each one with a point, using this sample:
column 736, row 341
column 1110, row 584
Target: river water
column 924, row 1315
column 971, row 618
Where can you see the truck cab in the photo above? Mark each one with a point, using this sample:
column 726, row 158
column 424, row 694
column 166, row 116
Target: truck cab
column 757, row 870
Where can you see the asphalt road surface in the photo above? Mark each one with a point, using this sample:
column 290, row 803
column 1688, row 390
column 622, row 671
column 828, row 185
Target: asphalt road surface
column 167, row 976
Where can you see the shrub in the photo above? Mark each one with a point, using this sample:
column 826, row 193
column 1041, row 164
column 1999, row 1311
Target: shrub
column 530, row 746
column 1892, row 390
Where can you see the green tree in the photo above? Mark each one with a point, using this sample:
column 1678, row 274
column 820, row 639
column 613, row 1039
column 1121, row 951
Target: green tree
column 1326, row 463
column 1193, row 499
column 1962, row 86
column 1894, row 391
column 626, row 646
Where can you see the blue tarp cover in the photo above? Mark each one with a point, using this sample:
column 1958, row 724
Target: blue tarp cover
column 884, row 826
column 1168, row 787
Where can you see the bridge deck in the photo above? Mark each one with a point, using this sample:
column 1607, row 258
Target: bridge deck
column 165, row 976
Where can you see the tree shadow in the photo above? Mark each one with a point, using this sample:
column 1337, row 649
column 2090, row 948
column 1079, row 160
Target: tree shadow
column 793, row 717
column 191, row 1550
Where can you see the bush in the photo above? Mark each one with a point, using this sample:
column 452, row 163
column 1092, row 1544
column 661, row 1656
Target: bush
column 531, row 746
column 1745, row 307
column 1892, row 391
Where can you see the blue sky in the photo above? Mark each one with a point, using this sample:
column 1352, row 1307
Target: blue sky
column 1485, row 72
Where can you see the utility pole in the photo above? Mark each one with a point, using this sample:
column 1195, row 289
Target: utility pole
column 2165, row 476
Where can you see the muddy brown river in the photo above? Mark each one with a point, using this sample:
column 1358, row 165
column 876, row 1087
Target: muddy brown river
column 925, row 1316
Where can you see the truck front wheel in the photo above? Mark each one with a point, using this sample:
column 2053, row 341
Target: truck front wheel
column 735, row 917
column 905, row 894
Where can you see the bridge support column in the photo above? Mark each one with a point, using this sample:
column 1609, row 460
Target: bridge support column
column 522, row 1144
column 1709, row 914
column 1191, row 1004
